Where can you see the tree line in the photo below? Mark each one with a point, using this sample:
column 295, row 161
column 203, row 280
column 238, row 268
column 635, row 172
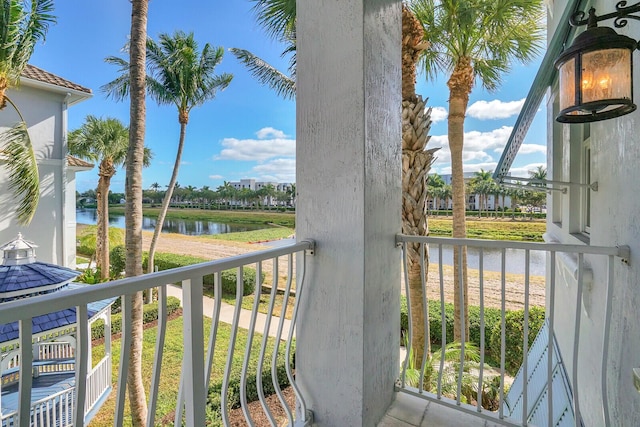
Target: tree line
column 205, row 196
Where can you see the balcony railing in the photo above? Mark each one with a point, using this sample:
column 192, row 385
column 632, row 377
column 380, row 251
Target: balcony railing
column 198, row 353
column 438, row 370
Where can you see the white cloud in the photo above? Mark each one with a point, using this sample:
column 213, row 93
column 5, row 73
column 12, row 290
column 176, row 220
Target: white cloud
column 256, row 149
column 523, row 171
column 438, row 114
column 495, row 109
column 280, row 170
column 270, row 132
column 215, row 177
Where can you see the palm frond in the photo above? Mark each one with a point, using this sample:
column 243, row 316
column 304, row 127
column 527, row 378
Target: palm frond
column 16, row 147
column 277, row 17
column 266, row 74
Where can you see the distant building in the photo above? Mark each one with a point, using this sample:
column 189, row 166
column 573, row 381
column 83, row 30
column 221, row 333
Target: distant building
column 252, row 184
column 493, row 202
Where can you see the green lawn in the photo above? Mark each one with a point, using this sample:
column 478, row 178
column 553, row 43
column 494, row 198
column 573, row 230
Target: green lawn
column 172, row 360
column 254, row 235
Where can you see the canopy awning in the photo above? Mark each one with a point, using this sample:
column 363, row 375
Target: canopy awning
column 544, row 78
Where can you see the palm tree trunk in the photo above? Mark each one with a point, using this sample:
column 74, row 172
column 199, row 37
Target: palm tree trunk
column 167, row 197
column 133, row 209
column 102, row 195
column 460, row 85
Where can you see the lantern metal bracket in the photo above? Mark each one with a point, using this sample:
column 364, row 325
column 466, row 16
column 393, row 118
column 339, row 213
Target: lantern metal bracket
column 546, row 184
column 620, row 16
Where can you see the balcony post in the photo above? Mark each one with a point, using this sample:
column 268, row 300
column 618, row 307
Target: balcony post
column 349, row 197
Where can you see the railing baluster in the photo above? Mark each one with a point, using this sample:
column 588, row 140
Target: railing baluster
column 215, row 321
column 443, row 321
column 265, row 339
column 26, row 368
column 193, row 360
column 301, row 282
column 408, row 348
column 425, row 308
column 276, row 349
column 481, row 289
column 82, row 352
column 461, row 275
column 525, row 344
column 550, row 345
column 125, row 351
column 503, row 343
column 576, row 341
column 605, row 340
column 232, row 344
column 247, row 354
column 157, row 360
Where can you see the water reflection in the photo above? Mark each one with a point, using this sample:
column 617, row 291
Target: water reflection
column 182, row 226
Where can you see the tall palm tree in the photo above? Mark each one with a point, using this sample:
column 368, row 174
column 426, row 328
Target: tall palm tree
column 473, row 40
column 416, row 162
column 136, row 73
column 181, row 75
column 155, row 186
column 22, row 25
column 106, row 141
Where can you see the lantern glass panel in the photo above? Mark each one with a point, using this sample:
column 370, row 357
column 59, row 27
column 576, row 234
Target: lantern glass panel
column 567, row 84
column 606, row 74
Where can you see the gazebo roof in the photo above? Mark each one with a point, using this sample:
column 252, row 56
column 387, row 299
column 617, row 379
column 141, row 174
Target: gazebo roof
column 21, row 276
column 34, row 275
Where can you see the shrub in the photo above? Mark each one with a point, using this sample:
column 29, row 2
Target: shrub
column 514, row 329
column 514, row 336
column 168, row 261
column 149, row 314
column 118, row 259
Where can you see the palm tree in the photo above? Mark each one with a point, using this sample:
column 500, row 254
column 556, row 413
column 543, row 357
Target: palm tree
column 106, row 141
column 278, row 18
column 181, row 75
column 22, row 25
column 481, row 185
column 416, row 162
column 155, row 186
column 473, row 40
column 136, row 73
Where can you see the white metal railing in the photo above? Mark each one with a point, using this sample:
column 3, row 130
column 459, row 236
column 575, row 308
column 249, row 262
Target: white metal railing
column 439, row 287
column 98, row 382
column 195, row 374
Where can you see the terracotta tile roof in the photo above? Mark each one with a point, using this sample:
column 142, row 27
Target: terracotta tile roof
column 41, row 75
column 78, row 163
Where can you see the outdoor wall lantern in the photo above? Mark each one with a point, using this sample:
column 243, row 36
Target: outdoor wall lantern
column 596, row 71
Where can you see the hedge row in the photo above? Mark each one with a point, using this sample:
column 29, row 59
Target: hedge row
column 149, row 314
column 514, row 333
column 165, row 261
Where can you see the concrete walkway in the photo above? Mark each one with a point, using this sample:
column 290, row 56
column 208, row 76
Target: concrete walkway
column 226, row 314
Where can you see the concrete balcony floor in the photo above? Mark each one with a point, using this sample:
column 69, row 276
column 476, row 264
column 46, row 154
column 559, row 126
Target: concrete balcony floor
column 411, row 411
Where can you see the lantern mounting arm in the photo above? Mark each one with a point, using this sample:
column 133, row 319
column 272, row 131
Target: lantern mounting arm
column 620, row 16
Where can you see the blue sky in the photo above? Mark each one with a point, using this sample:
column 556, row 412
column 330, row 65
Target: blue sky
column 247, row 131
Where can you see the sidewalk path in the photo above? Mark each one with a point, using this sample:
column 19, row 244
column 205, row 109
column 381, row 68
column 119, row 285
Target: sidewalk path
column 226, row 314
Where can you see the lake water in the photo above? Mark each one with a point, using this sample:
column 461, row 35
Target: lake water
column 491, row 258
column 182, row 226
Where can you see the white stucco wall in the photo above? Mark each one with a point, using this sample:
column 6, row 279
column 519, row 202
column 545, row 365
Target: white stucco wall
column 348, row 184
column 52, row 229
column 615, row 156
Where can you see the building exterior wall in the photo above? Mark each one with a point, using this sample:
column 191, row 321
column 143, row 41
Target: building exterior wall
column 53, row 225
column 606, row 217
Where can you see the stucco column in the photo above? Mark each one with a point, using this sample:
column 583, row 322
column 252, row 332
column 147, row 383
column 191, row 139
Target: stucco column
column 348, row 201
